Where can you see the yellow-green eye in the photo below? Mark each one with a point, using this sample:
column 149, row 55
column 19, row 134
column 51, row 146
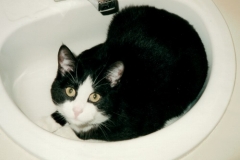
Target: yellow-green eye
column 70, row 92
column 94, row 97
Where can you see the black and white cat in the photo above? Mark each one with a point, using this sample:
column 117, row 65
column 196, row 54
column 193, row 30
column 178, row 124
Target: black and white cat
column 151, row 67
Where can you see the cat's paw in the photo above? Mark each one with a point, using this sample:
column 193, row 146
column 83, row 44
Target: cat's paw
column 48, row 124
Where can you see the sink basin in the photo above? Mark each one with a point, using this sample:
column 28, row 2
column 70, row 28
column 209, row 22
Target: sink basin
column 28, row 65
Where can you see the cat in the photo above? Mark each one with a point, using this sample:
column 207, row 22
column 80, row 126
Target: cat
column 150, row 69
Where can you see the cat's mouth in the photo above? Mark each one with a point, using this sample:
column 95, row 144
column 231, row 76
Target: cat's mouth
column 83, row 127
column 80, row 123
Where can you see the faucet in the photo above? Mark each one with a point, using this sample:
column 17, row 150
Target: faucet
column 105, row 7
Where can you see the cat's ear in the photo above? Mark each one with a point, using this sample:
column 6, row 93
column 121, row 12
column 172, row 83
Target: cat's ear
column 66, row 60
column 114, row 73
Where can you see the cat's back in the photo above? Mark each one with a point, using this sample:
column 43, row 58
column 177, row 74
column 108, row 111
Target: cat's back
column 162, row 54
column 144, row 22
column 151, row 36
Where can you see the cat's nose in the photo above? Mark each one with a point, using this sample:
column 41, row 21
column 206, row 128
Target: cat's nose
column 77, row 111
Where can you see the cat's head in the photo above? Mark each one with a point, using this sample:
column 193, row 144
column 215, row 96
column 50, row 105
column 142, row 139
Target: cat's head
column 83, row 88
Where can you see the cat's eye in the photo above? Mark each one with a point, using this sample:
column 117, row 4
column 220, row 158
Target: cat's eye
column 94, row 97
column 70, row 92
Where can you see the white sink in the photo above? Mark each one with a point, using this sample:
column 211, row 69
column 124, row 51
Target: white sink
column 28, row 65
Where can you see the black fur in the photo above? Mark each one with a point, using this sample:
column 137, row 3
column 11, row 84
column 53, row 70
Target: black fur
column 59, row 118
column 165, row 69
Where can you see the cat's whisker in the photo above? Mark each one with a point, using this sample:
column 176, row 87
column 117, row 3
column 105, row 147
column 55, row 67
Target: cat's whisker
column 120, row 115
column 99, row 81
column 99, row 74
column 103, row 67
column 105, row 125
column 74, row 80
column 88, row 135
column 104, row 133
column 77, row 72
column 110, row 123
column 101, row 85
column 70, row 78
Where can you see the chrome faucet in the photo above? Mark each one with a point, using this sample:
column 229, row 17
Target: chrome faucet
column 106, row 7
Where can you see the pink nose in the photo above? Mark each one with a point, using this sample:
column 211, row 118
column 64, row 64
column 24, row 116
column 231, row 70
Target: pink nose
column 77, row 111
